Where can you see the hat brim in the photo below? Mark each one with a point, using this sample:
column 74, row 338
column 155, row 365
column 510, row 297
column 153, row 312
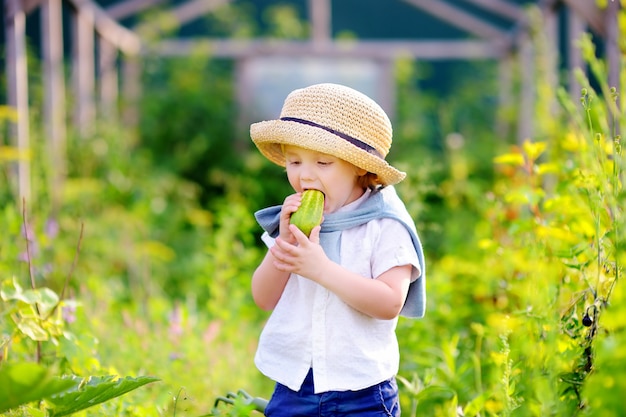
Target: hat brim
column 269, row 136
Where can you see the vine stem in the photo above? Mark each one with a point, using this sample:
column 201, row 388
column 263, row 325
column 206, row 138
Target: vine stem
column 617, row 174
column 176, row 400
column 28, row 259
column 74, row 262
column 30, row 268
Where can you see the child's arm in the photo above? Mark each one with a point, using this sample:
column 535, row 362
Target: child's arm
column 268, row 282
column 381, row 298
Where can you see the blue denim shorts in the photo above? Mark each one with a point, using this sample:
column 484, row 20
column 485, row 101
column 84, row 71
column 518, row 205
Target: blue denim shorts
column 375, row 401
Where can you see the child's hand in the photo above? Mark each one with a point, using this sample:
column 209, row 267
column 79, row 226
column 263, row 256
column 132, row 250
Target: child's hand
column 290, row 205
column 304, row 257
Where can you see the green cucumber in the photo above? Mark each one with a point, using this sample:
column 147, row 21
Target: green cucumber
column 310, row 212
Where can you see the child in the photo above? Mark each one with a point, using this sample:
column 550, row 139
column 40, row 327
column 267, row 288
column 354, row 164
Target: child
column 330, row 341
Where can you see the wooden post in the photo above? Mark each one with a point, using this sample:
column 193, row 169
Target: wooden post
column 525, row 127
column 550, row 55
column 83, row 70
column 505, row 94
column 90, row 20
column 243, row 98
column 386, row 90
column 320, row 17
column 132, row 90
column 54, row 96
column 17, row 77
column 575, row 29
column 614, row 57
column 108, row 85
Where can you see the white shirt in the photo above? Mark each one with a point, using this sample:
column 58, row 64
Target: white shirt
column 311, row 327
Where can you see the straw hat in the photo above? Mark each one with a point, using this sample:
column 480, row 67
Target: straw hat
column 332, row 119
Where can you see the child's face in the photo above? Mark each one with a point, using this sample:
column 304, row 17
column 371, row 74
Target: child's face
column 336, row 178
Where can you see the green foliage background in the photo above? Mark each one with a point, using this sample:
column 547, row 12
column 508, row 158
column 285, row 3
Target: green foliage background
column 148, row 261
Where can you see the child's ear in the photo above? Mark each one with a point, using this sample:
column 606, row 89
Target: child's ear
column 360, row 171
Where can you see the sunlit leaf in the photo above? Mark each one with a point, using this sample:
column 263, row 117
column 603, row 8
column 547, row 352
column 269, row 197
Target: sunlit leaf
column 48, row 300
column 436, row 392
column 582, row 226
column 574, row 142
column 10, row 289
column 547, row 168
column 515, row 159
column 156, row 250
column 77, row 188
column 474, row 407
column 201, row 218
column 8, row 113
column 32, row 329
column 503, row 323
column 534, row 149
column 558, row 233
column 90, row 391
column 524, row 196
column 486, row 244
column 43, row 298
column 25, row 382
column 586, row 179
column 516, row 197
column 10, row 153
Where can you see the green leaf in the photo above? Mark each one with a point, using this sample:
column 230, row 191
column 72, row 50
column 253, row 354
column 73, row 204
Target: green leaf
column 91, row 391
column 44, row 298
column 32, row 329
column 534, row 149
column 25, row 382
column 515, row 159
column 47, row 300
column 10, row 289
column 436, row 392
column 474, row 407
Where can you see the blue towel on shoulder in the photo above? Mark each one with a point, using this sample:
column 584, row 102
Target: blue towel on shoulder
column 383, row 203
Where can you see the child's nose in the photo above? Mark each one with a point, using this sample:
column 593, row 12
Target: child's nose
column 307, row 173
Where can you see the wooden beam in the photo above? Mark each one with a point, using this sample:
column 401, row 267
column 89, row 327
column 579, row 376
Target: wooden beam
column 123, row 39
column 125, row 8
column 590, row 12
column 430, row 50
column 195, row 9
column 54, row 97
column 503, row 8
column 30, row 5
column 458, row 18
column 17, row 77
column 186, row 12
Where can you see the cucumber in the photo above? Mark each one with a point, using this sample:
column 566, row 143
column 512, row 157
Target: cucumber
column 310, row 212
